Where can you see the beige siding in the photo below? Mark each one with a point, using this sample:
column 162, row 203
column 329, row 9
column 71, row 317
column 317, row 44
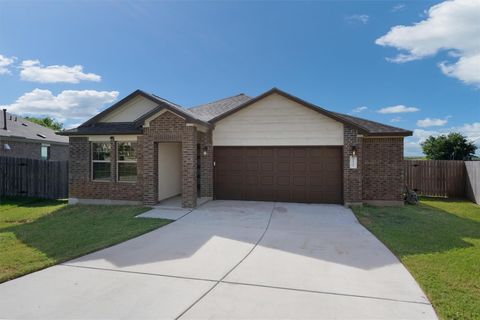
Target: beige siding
column 277, row 121
column 131, row 110
column 169, row 170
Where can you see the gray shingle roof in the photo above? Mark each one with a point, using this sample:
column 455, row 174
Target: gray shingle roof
column 101, row 128
column 372, row 127
column 20, row 128
column 211, row 110
column 208, row 113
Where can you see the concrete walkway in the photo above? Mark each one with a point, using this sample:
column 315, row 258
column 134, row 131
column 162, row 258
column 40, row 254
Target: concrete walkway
column 230, row 259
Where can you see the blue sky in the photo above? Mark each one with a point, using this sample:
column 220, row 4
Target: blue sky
column 72, row 59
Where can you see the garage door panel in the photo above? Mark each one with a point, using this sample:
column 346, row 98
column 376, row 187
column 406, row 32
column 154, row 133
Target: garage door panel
column 283, row 181
column 252, row 166
column 251, row 180
column 295, row 174
column 266, row 180
column 283, row 166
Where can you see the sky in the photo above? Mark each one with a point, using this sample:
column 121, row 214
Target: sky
column 410, row 64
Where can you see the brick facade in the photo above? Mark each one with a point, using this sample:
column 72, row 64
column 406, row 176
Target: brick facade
column 378, row 176
column 352, row 178
column 32, row 150
column 383, row 169
column 206, row 164
column 189, row 167
column 81, row 185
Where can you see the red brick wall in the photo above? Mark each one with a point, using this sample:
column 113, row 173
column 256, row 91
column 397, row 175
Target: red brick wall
column 383, row 176
column 167, row 127
column 80, row 184
column 189, row 167
column 206, row 164
column 352, row 178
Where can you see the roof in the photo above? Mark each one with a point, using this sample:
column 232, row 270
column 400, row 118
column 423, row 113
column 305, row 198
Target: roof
column 102, row 128
column 93, row 126
column 363, row 125
column 375, row 128
column 209, row 113
column 211, row 110
column 20, row 128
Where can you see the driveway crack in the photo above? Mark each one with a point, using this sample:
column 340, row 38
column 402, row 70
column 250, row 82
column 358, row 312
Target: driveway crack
column 231, row 269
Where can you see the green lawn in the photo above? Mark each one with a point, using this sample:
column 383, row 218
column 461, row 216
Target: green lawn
column 439, row 242
column 35, row 234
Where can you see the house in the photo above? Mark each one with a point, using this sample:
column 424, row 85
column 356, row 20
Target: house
column 274, row 147
column 21, row 138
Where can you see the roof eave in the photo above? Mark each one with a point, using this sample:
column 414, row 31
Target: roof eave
column 391, row 134
column 291, row 97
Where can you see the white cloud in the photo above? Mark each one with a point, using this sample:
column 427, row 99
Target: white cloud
column 68, row 105
column 396, row 119
column 398, row 7
column 5, row 63
column 359, row 109
column 32, row 70
column 427, row 122
column 452, row 26
column 472, row 131
column 398, row 109
column 413, row 147
column 358, row 18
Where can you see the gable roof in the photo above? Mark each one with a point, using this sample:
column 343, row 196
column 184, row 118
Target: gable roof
column 363, row 125
column 211, row 110
column 94, row 126
column 162, row 104
column 375, row 128
column 208, row 114
column 20, row 128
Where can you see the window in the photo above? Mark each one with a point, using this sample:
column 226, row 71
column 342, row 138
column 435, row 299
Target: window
column 127, row 161
column 101, row 161
column 45, row 152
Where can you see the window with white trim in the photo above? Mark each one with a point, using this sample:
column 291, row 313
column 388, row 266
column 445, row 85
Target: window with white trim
column 45, row 152
column 101, row 161
column 127, row 161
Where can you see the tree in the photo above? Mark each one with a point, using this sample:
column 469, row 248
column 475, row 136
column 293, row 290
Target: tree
column 453, row 146
column 47, row 122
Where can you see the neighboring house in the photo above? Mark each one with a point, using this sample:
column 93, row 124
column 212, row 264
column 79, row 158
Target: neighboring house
column 274, row 147
column 21, row 138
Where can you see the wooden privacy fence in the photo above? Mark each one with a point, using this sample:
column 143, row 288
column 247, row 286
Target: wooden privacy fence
column 33, row 178
column 473, row 180
column 437, row 178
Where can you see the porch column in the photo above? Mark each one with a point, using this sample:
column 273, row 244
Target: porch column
column 189, row 166
column 206, row 165
column 352, row 177
column 150, row 168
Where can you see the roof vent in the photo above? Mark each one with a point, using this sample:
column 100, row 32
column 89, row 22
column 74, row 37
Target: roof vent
column 41, row 135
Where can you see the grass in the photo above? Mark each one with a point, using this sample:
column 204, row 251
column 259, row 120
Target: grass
column 439, row 242
column 35, row 234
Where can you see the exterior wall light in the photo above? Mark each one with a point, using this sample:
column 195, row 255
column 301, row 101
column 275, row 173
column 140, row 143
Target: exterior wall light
column 354, row 150
column 205, row 149
column 6, row 147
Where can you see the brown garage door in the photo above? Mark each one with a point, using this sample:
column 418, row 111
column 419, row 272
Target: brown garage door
column 291, row 174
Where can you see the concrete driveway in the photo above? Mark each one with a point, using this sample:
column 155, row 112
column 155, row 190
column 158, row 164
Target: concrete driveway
column 230, row 259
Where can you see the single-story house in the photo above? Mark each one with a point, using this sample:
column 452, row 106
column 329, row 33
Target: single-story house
column 21, row 138
column 273, row 147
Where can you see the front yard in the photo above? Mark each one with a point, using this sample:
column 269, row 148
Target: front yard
column 35, row 234
column 439, row 242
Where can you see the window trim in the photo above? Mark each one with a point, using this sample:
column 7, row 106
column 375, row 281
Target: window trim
column 117, row 177
column 100, row 161
column 48, row 151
